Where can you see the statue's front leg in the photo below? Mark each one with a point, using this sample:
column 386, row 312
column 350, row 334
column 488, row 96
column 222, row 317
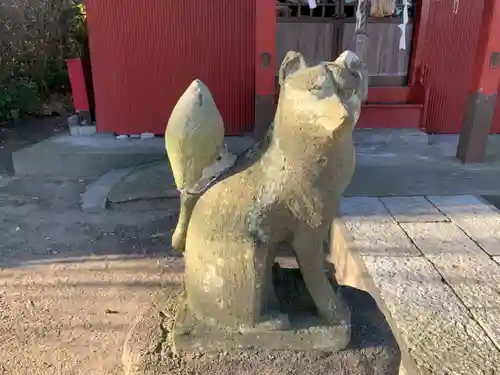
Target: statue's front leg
column 310, row 256
column 188, row 201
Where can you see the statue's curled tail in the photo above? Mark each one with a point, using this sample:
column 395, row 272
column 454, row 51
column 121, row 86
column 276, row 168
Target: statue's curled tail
column 194, row 140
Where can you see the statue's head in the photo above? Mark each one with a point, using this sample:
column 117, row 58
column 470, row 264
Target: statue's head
column 328, row 94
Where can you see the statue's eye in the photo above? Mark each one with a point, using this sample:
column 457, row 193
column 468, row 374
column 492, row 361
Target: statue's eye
column 318, row 85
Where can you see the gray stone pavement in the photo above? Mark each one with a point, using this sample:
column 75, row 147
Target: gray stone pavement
column 92, row 156
column 404, row 162
column 434, row 261
column 389, row 163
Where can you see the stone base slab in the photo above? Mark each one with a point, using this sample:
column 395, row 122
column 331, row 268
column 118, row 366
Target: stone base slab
column 191, row 334
column 372, row 350
column 295, row 326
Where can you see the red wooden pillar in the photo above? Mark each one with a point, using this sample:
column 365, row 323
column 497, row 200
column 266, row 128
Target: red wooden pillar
column 265, row 64
column 78, row 88
column 483, row 91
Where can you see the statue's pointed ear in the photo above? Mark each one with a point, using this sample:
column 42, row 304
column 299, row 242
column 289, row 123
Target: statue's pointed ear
column 352, row 75
column 292, row 62
column 351, row 61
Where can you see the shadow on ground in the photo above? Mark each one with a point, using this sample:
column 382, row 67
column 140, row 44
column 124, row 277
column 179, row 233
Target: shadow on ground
column 42, row 220
column 17, row 135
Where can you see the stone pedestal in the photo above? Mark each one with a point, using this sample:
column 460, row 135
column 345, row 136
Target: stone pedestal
column 149, row 350
column 294, row 326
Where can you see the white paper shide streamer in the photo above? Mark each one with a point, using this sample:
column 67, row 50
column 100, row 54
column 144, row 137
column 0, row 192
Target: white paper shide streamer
column 402, row 27
column 312, row 4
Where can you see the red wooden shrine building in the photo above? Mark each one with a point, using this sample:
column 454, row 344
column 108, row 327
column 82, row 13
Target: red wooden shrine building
column 145, row 53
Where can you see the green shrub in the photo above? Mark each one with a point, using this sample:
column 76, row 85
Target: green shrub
column 36, row 36
column 18, row 98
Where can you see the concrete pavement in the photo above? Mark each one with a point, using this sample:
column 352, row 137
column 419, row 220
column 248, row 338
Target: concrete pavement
column 389, row 163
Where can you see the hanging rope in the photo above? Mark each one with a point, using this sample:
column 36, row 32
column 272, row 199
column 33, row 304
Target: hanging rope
column 362, row 30
column 362, row 17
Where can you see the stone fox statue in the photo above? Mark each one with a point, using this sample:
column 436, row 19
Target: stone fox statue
column 231, row 232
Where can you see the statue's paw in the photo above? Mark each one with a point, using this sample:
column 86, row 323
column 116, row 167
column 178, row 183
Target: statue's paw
column 338, row 313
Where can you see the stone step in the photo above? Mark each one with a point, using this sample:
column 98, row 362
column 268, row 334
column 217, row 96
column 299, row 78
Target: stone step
column 89, row 156
column 94, row 155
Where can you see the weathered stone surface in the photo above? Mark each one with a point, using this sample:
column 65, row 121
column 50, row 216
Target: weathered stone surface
column 285, row 195
column 497, row 259
column 412, row 209
column 452, row 291
column 475, row 280
column 294, row 326
column 382, row 239
column 479, row 220
column 142, row 183
column 365, row 208
column 194, row 136
column 442, row 239
column 473, row 275
column 95, row 197
column 194, row 141
column 436, row 328
column 488, row 319
column 374, row 229
column 373, row 350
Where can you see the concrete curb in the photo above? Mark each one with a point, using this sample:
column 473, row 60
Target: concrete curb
column 95, row 197
column 146, row 194
column 88, row 156
column 350, row 270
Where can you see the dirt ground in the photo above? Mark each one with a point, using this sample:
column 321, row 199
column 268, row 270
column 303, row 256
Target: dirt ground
column 71, row 283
